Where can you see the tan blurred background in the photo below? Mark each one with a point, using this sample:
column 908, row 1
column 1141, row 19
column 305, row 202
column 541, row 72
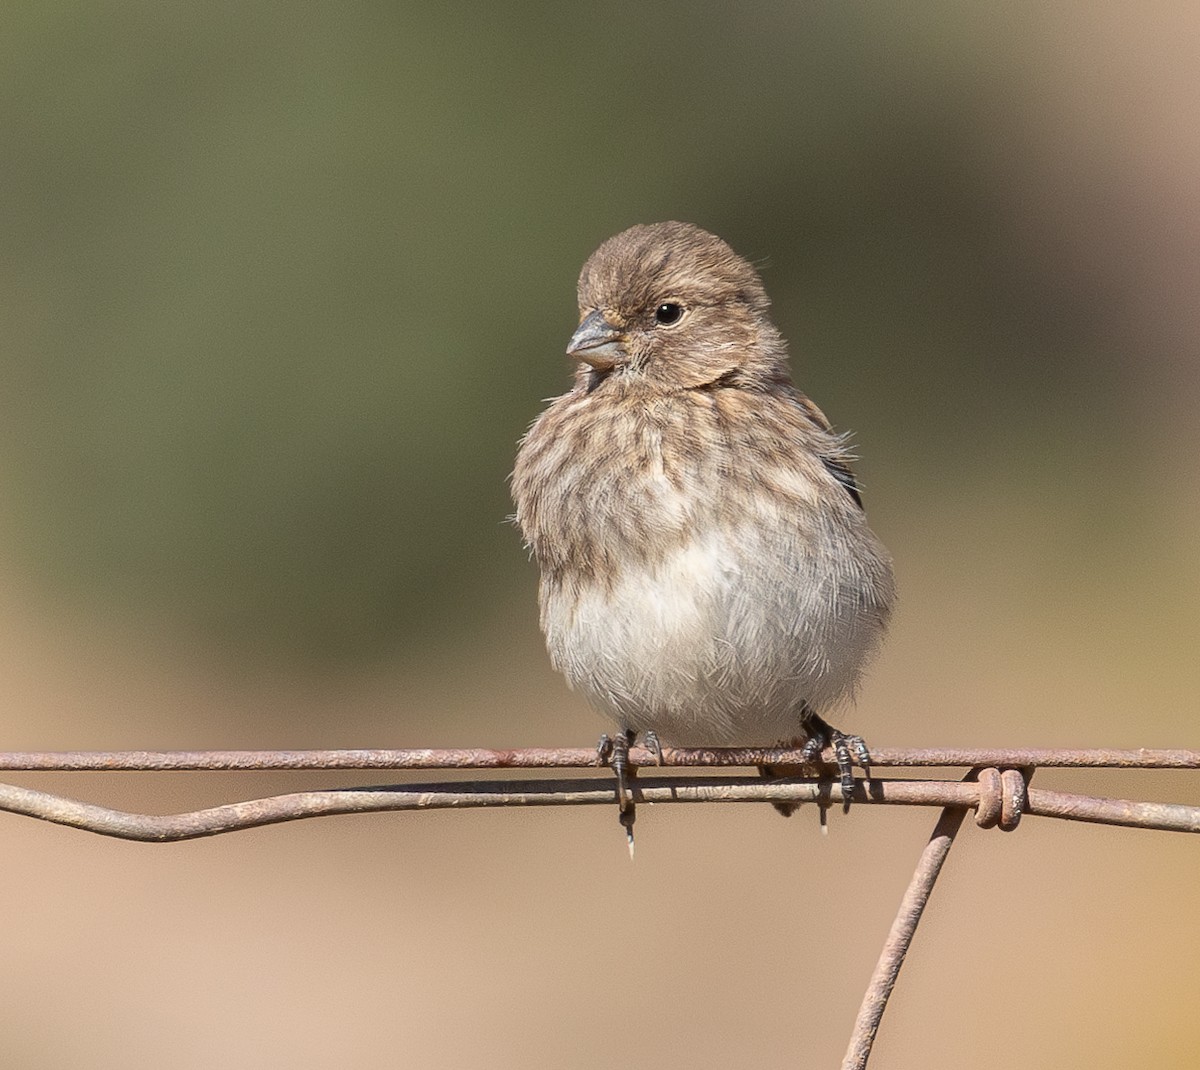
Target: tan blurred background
column 280, row 287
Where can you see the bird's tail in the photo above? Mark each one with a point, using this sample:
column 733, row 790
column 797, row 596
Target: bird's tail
column 773, row 772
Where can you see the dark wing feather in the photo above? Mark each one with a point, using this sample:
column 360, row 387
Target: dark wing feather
column 842, row 473
column 838, row 462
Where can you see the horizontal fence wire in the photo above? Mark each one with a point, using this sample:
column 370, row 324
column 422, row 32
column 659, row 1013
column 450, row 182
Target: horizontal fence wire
column 577, row 758
column 999, row 800
column 996, row 787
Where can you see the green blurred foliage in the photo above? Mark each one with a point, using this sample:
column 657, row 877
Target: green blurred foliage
column 286, row 282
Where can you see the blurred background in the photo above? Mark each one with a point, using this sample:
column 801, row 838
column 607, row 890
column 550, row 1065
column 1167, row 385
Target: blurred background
column 280, row 288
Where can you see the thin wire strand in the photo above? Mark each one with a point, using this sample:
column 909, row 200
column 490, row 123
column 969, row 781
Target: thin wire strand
column 574, row 757
column 900, row 937
column 294, row 806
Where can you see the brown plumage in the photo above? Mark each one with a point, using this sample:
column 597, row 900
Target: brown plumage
column 707, row 572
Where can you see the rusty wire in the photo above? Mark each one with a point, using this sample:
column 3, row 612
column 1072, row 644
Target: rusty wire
column 575, row 758
column 988, row 795
column 996, row 788
column 294, row 806
column 899, row 938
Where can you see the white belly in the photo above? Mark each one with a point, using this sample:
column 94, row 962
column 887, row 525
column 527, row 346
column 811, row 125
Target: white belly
column 726, row 639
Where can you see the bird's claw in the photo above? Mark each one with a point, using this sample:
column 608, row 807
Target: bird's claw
column 614, row 752
column 626, row 818
column 604, row 749
column 847, row 750
column 651, row 743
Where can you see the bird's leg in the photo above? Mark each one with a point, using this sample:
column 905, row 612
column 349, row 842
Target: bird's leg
column 846, row 750
column 615, row 751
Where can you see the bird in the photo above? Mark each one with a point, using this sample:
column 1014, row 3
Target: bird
column 707, row 574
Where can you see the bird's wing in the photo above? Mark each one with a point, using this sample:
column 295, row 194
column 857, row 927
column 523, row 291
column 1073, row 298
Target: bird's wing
column 837, row 458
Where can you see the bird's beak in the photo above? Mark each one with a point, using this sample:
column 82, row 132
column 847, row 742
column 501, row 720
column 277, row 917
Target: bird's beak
column 597, row 342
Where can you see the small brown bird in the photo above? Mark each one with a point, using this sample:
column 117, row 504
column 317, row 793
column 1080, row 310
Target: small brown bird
column 707, row 573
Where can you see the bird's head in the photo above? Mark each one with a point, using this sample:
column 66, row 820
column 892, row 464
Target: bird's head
column 673, row 304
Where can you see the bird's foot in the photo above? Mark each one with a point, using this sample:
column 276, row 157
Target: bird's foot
column 651, row 743
column 847, row 750
column 614, row 752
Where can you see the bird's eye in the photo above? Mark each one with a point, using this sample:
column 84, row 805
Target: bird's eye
column 668, row 313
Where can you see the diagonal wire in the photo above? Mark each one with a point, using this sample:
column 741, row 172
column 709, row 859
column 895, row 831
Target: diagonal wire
column 900, row 937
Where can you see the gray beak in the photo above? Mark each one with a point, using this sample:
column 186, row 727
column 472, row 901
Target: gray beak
column 597, row 342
